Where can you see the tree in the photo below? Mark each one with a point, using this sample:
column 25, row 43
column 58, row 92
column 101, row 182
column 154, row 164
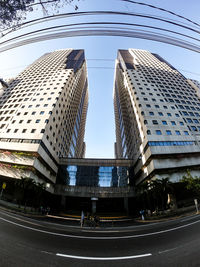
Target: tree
column 39, row 191
column 143, row 192
column 30, row 192
column 12, row 12
column 192, row 183
column 154, row 193
column 25, row 184
column 161, row 188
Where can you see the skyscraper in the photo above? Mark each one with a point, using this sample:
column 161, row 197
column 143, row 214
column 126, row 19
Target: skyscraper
column 42, row 116
column 157, row 115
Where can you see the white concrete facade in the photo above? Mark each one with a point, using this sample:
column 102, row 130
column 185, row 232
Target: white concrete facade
column 43, row 113
column 157, row 114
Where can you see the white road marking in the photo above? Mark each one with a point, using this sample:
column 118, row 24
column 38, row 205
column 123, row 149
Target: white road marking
column 102, row 258
column 167, row 250
column 19, row 219
column 190, row 218
column 46, row 252
column 102, row 231
column 101, row 237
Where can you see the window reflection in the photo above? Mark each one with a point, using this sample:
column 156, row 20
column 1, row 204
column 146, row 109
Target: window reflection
column 95, row 176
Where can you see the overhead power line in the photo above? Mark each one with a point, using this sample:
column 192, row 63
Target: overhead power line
column 161, row 9
column 96, row 67
column 125, row 32
column 75, row 25
column 92, row 13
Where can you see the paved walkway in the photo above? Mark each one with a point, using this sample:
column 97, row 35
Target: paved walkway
column 105, row 221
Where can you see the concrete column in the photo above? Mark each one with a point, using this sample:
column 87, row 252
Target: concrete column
column 126, row 204
column 94, row 206
column 172, row 201
column 63, row 202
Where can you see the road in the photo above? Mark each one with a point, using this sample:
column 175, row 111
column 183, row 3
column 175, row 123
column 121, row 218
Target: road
column 29, row 242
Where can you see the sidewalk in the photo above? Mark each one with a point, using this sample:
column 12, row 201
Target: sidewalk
column 105, row 221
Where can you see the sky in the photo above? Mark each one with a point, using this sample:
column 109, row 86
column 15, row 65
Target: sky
column 101, row 52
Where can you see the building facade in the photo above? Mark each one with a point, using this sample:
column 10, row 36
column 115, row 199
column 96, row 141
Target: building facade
column 157, row 115
column 101, row 184
column 42, row 116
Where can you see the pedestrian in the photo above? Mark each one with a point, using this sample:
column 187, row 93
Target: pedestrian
column 82, row 218
column 48, row 210
column 142, row 214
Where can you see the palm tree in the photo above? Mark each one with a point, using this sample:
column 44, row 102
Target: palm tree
column 143, row 191
column 39, row 191
column 25, row 184
column 161, row 188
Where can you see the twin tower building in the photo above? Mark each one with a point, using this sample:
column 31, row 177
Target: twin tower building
column 42, row 124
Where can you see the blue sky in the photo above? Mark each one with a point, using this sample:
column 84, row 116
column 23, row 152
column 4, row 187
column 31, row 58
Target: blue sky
column 100, row 127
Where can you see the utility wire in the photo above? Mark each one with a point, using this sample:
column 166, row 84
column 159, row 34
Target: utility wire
column 108, row 32
column 89, row 13
column 162, row 9
column 96, row 23
column 96, row 67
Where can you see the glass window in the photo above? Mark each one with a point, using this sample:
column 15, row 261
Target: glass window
column 177, row 132
column 173, row 123
column 186, row 133
column 158, row 132
column 151, row 113
column 37, row 121
column 160, row 113
column 194, row 128
column 189, row 120
column 155, row 122
column 168, row 132
column 169, row 114
column 164, row 122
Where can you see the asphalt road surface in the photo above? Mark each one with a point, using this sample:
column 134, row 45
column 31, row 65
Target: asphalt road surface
column 29, row 242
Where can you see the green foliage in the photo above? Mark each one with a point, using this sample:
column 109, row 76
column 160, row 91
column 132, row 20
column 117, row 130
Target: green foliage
column 12, row 12
column 191, row 183
column 154, row 193
column 30, row 191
